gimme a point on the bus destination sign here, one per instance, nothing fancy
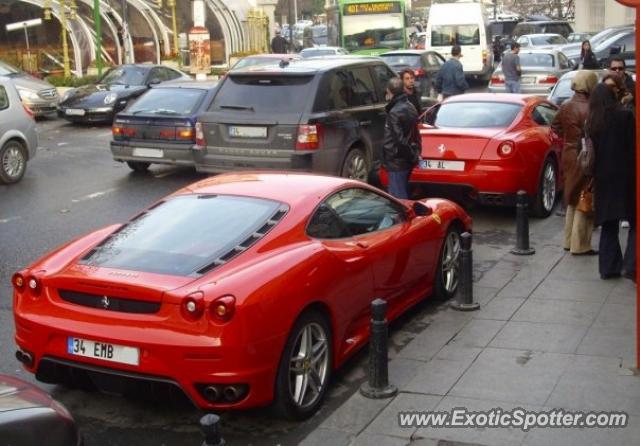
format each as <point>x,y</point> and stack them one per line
<point>371,8</point>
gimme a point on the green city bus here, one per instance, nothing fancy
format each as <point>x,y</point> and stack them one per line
<point>370,27</point>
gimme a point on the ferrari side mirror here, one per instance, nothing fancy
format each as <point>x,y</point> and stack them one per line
<point>421,209</point>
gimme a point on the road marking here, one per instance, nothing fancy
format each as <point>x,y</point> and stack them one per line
<point>93,195</point>
<point>7,220</point>
<point>63,144</point>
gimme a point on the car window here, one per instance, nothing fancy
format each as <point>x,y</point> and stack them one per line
<point>557,28</point>
<point>397,60</point>
<point>364,212</point>
<point>159,74</point>
<point>447,35</point>
<point>4,99</point>
<point>476,114</point>
<point>536,60</point>
<point>627,43</point>
<point>363,88</point>
<point>131,75</point>
<point>433,60</point>
<point>326,224</point>
<point>168,101</point>
<point>543,114</point>
<point>381,76</point>
<point>523,41</point>
<point>171,74</point>
<point>563,62</point>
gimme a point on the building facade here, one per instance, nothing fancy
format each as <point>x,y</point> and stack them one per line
<point>595,15</point>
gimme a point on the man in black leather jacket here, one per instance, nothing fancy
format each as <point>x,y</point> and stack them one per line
<point>401,149</point>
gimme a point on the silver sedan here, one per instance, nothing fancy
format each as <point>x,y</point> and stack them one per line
<point>541,69</point>
<point>18,138</point>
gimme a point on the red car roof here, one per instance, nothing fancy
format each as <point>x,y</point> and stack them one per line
<point>495,97</point>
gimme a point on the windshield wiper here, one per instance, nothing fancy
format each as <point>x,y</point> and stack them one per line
<point>238,107</point>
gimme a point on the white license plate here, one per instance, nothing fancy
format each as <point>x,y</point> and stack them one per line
<point>442,165</point>
<point>528,80</point>
<point>103,350</point>
<point>148,153</point>
<point>247,132</point>
<point>74,112</point>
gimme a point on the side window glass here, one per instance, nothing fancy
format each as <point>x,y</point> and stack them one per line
<point>340,92</point>
<point>363,88</point>
<point>363,211</point>
<point>544,114</point>
<point>564,62</point>
<point>4,99</point>
<point>381,76</point>
<point>170,74</point>
<point>325,224</point>
<point>156,73</point>
<point>627,43</point>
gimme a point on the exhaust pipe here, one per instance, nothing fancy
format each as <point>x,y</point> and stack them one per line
<point>24,357</point>
<point>211,393</point>
<point>231,393</point>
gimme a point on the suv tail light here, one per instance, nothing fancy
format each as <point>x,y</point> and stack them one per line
<point>550,80</point>
<point>308,137</point>
<point>497,80</point>
<point>506,149</point>
<point>419,72</point>
<point>29,112</point>
<point>199,133</point>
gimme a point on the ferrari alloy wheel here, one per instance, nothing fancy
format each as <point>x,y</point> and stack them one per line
<point>356,165</point>
<point>547,190</point>
<point>13,162</point>
<point>138,166</point>
<point>448,273</point>
<point>305,367</point>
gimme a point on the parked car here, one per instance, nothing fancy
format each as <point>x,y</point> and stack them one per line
<point>319,33</point>
<point>572,50</point>
<point>562,89</point>
<point>622,44</point>
<point>323,115</point>
<point>541,69</point>
<point>579,37</point>
<point>159,127</point>
<point>29,416</point>
<point>486,147</point>
<point>323,51</point>
<point>119,86</point>
<point>41,97</point>
<point>542,27</point>
<point>242,289</point>
<point>263,59</point>
<point>18,137</point>
<point>425,66</point>
<point>541,40</point>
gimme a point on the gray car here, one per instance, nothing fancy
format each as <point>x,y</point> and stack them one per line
<point>18,137</point>
<point>541,69</point>
<point>541,41</point>
<point>40,96</point>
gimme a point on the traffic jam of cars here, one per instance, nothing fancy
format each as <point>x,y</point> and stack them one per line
<point>254,313</point>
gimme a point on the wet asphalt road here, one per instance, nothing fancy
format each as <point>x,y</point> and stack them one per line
<point>73,187</point>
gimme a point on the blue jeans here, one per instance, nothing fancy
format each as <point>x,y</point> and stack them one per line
<point>399,184</point>
<point>512,86</point>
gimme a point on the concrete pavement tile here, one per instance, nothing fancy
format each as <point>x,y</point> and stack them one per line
<point>437,376</point>
<point>558,311</point>
<point>496,277</point>
<point>574,290</point>
<point>478,333</point>
<point>355,414</point>
<point>485,436</point>
<point>424,346</point>
<point>377,440</point>
<point>387,422</point>
<point>402,370</point>
<point>624,292</point>
<point>520,376</point>
<point>484,294</point>
<point>521,287</point>
<point>616,315</point>
<point>540,336</point>
<point>500,308</point>
<point>456,352</point>
<point>322,437</point>
<point>617,342</point>
<point>577,268</point>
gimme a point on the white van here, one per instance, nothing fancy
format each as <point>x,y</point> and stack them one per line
<point>462,23</point>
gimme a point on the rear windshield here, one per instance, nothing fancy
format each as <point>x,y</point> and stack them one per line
<point>563,89</point>
<point>253,61</point>
<point>448,35</point>
<point>548,40</point>
<point>265,93</point>
<point>184,234</point>
<point>410,60</point>
<point>168,101</point>
<point>536,60</point>
<point>317,53</point>
<point>476,114</point>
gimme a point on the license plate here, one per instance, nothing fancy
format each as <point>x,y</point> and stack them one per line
<point>442,165</point>
<point>247,132</point>
<point>148,153</point>
<point>74,112</point>
<point>528,80</point>
<point>103,350</point>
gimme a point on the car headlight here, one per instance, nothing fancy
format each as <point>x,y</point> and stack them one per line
<point>27,94</point>
<point>110,98</point>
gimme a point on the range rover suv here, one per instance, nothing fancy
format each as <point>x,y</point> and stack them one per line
<point>322,115</point>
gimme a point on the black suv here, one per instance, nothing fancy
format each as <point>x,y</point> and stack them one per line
<point>542,27</point>
<point>320,115</point>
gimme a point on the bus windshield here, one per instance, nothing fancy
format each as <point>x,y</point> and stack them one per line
<point>371,31</point>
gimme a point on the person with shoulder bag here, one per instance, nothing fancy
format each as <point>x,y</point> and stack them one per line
<point>569,124</point>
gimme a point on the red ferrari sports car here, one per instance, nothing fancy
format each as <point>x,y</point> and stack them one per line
<point>487,146</point>
<point>241,290</point>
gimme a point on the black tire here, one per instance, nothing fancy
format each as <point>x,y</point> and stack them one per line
<point>138,166</point>
<point>446,285</point>
<point>547,192</point>
<point>356,165</point>
<point>284,402</point>
<point>13,162</point>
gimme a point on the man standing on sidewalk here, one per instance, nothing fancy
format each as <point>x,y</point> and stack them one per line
<point>450,80</point>
<point>512,69</point>
<point>279,44</point>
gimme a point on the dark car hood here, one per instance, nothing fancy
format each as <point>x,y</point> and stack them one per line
<point>93,95</point>
<point>18,394</point>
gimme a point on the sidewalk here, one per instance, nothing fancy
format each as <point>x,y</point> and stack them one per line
<point>550,334</point>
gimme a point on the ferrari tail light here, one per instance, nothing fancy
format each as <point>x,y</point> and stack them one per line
<point>18,282</point>
<point>34,285</point>
<point>419,72</point>
<point>192,306</point>
<point>28,111</point>
<point>497,80</point>
<point>506,148</point>
<point>308,137</point>
<point>185,134</point>
<point>223,308</point>
<point>550,80</point>
<point>199,133</point>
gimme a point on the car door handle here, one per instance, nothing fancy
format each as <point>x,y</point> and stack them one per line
<point>359,244</point>
<point>365,123</point>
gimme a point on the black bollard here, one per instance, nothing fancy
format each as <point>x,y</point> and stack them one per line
<point>209,424</point>
<point>464,298</point>
<point>378,384</point>
<point>522,226</point>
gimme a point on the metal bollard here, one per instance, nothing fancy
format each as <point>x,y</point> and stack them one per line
<point>464,298</point>
<point>522,226</point>
<point>209,424</point>
<point>378,386</point>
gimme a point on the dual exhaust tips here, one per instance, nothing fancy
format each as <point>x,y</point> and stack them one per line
<point>24,357</point>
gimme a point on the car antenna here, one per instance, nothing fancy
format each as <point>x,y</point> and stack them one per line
<point>284,63</point>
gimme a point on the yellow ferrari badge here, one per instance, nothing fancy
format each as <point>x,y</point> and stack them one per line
<point>437,218</point>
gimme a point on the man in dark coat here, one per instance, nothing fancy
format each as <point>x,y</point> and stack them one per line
<point>618,66</point>
<point>409,81</point>
<point>450,79</point>
<point>401,148</point>
<point>279,44</point>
